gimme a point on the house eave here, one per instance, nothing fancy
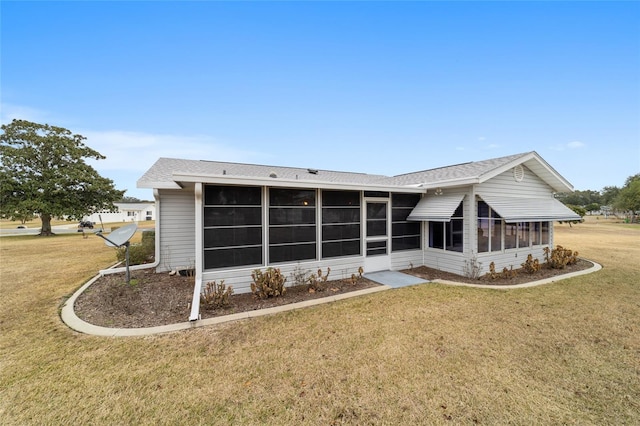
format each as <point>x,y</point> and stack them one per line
<point>289,183</point>
<point>158,185</point>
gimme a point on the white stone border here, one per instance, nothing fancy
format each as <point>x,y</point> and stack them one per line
<point>596,267</point>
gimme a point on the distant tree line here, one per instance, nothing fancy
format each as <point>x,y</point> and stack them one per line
<point>625,200</point>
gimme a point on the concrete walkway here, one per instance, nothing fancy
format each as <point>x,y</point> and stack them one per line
<point>394,279</point>
<point>388,279</point>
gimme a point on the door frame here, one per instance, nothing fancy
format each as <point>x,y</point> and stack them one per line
<point>377,262</point>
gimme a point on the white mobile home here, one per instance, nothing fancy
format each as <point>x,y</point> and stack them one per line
<point>125,212</point>
<point>227,219</point>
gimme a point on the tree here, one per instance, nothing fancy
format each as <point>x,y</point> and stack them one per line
<point>43,172</point>
<point>130,200</point>
<point>628,198</point>
<point>609,194</point>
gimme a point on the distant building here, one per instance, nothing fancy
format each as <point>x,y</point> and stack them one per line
<point>125,212</point>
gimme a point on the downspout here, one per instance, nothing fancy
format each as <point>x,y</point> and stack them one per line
<point>199,223</point>
<point>103,272</point>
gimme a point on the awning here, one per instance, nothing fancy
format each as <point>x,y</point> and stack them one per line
<point>518,209</point>
<point>436,208</point>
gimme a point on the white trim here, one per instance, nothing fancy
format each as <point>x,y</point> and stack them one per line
<point>290,183</point>
<point>199,246</point>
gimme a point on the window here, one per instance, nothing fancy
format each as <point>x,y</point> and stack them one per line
<point>405,235</point>
<point>340,223</point>
<point>492,228</point>
<point>523,234</point>
<point>292,225</point>
<point>448,235</point>
<point>489,229</point>
<point>545,233</point>
<point>232,226</point>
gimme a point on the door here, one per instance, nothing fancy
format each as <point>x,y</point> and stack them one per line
<point>377,236</point>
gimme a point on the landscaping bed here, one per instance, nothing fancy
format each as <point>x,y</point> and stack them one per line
<point>153,299</point>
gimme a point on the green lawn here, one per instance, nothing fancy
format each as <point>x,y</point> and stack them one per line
<point>565,353</point>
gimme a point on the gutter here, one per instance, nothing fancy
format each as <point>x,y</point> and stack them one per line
<point>110,271</point>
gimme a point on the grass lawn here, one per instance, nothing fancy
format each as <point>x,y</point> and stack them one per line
<point>565,353</point>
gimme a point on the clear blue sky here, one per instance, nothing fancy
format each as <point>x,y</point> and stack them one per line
<point>376,87</point>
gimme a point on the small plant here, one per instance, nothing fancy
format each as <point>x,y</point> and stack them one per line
<point>472,267</point>
<point>531,265</point>
<point>492,274</point>
<point>269,283</point>
<point>355,278</point>
<point>509,272</point>
<point>143,252</point>
<point>299,276</point>
<point>560,257</point>
<point>216,295</point>
<point>318,282</point>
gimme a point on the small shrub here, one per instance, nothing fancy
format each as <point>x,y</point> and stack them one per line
<point>506,272</point>
<point>355,278</point>
<point>492,274</point>
<point>560,257</point>
<point>531,265</point>
<point>299,276</point>
<point>143,252</point>
<point>268,284</point>
<point>509,272</point>
<point>318,282</point>
<point>149,238</point>
<point>472,267</point>
<point>216,295</point>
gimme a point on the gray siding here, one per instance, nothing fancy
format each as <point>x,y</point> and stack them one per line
<point>451,261</point>
<point>177,229</point>
<point>240,278</point>
<point>505,185</point>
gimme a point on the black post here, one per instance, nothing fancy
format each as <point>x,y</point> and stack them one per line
<point>126,248</point>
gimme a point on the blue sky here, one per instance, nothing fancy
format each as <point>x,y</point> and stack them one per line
<point>376,87</point>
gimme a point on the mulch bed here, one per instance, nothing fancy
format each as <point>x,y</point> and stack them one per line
<point>519,275</point>
<point>154,299</point>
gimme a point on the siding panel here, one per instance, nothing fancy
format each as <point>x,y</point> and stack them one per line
<point>177,229</point>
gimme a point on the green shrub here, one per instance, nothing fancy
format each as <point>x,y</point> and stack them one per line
<point>268,284</point>
<point>216,295</point>
<point>143,252</point>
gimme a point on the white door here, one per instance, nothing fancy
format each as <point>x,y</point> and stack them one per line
<point>377,236</point>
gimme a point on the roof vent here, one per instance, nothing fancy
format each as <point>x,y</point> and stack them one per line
<point>518,173</point>
<point>313,171</point>
<point>273,175</point>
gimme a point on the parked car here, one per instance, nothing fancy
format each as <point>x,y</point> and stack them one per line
<point>85,224</point>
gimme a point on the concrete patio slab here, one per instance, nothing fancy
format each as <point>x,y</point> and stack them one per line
<point>394,279</point>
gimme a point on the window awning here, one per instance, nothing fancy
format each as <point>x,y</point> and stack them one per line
<point>437,208</point>
<point>518,209</point>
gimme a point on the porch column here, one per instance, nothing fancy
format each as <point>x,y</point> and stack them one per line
<point>199,223</point>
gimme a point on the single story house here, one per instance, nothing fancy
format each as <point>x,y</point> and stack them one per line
<point>227,219</point>
<point>125,212</point>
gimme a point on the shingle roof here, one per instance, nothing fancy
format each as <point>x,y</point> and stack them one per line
<point>470,170</point>
<point>161,174</point>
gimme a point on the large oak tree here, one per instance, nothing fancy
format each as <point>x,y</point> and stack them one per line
<point>43,172</point>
